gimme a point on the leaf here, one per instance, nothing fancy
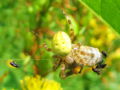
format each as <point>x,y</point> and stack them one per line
<point>108,10</point>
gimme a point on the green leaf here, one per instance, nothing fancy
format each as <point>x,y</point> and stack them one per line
<point>107,10</point>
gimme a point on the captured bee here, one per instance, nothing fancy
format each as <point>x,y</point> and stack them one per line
<point>79,57</point>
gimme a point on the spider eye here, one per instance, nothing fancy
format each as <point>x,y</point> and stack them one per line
<point>61,43</point>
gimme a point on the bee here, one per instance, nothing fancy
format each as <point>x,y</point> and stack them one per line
<point>79,57</point>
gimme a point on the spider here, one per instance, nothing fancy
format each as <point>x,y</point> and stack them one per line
<point>73,57</point>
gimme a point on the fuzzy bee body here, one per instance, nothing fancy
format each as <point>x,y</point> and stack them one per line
<point>78,57</point>
<point>83,55</point>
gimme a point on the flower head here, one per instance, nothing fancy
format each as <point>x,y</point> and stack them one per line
<point>38,83</point>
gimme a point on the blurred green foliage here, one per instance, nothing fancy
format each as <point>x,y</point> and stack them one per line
<point>27,24</point>
<point>103,9</point>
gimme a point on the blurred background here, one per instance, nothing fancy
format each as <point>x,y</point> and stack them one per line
<point>25,25</point>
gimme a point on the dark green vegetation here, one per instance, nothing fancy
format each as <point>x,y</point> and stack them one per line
<point>109,10</point>
<point>27,24</point>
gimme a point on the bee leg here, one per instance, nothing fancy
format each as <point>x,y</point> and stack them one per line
<point>78,69</point>
<point>104,54</point>
<point>101,66</point>
<point>75,70</point>
<point>81,68</point>
<point>63,73</point>
<point>96,70</point>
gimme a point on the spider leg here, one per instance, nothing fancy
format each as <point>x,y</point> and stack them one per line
<point>63,70</point>
<point>68,73</point>
<point>46,47</point>
<point>56,64</point>
<point>72,35</point>
<point>71,31</point>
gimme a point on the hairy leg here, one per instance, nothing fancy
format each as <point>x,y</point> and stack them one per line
<point>77,69</point>
<point>104,54</point>
<point>56,64</point>
<point>46,47</point>
<point>96,70</point>
<point>99,67</point>
<point>74,69</point>
<point>63,71</point>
